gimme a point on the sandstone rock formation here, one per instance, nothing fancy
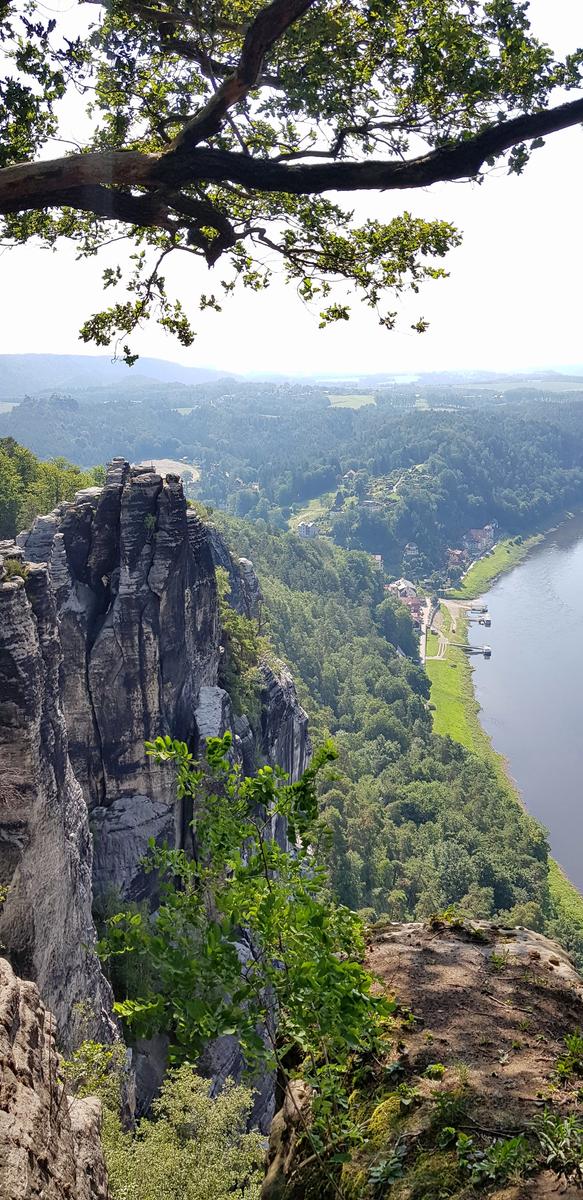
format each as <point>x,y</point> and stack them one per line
<point>112,638</point>
<point>45,844</point>
<point>49,1143</point>
<point>132,571</point>
<point>245,595</point>
<point>136,601</point>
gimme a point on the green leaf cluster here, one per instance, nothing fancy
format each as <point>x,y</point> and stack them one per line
<point>191,1147</point>
<point>29,486</point>
<point>345,82</point>
<point>247,939</point>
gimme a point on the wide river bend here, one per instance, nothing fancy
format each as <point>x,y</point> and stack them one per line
<point>531,690</point>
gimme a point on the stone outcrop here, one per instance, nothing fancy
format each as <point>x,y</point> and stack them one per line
<point>136,600</point>
<point>45,844</point>
<point>483,1015</point>
<point>49,1143</point>
<point>245,595</point>
<point>112,639</point>
<point>284,724</point>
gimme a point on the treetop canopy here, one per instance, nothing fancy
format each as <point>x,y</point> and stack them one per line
<point>219,129</point>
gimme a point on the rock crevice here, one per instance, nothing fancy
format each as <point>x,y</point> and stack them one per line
<point>111,637</point>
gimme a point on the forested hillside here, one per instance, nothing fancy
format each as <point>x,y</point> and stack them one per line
<point>416,822</point>
<point>29,486</point>
<point>383,475</point>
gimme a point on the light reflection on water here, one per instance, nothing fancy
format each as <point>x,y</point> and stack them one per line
<point>531,690</point>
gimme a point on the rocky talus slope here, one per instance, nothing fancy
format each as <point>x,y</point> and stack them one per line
<point>477,1049</point>
<point>49,1142</point>
<point>109,635</point>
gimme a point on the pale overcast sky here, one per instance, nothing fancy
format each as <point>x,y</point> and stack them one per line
<point>513,300</point>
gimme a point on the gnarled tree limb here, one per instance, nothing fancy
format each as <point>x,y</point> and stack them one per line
<point>42,185</point>
<point>268,27</point>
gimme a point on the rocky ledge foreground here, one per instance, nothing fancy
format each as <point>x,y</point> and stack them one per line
<point>477,1047</point>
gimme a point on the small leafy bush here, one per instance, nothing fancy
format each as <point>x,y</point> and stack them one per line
<point>14,568</point>
<point>194,1148</point>
<point>388,1171</point>
<point>434,1071</point>
<point>96,1070</point>
<point>450,1107</point>
<point>499,962</point>
<point>501,1161</point>
<point>571,1063</point>
<point>561,1144</point>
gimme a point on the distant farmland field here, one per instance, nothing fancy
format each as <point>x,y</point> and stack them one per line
<point>358,400</point>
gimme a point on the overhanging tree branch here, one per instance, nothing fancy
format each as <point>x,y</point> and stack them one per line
<point>252,153</point>
<point>457,160</point>
<point>40,185</point>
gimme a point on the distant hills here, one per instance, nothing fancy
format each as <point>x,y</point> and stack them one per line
<point>45,374</point>
<point>33,374</point>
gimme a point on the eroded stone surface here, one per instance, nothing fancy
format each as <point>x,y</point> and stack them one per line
<point>112,640</point>
<point>49,1143</point>
<point>45,845</point>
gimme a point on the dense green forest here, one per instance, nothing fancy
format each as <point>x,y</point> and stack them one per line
<point>416,823</point>
<point>29,486</point>
<point>390,474</point>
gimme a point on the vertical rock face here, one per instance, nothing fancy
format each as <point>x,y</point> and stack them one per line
<point>112,639</point>
<point>246,594</point>
<point>137,611</point>
<point>138,620</point>
<point>133,574</point>
<point>45,844</point>
<point>284,724</point>
<point>49,1144</point>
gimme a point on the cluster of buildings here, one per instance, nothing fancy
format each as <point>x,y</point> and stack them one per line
<point>478,541</point>
<point>307,529</point>
<point>474,543</point>
<point>406,592</point>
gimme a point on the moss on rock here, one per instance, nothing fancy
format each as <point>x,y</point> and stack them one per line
<point>434,1175</point>
<point>384,1118</point>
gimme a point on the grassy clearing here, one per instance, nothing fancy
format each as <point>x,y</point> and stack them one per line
<point>453,697</point>
<point>318,507</point>
<point>483,572</point>
<point>457,714</point>
<point>358,400</point>
<point>432,643</point>
<point>171,466</point>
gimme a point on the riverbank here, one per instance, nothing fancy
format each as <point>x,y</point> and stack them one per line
<point>456,713</point>
<point>506,554</point>
<point>482,573</point>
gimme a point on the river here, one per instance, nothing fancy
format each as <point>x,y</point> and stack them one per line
<point>531,690</point>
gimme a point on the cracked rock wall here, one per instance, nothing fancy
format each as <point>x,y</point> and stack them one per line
<point>112,638</point>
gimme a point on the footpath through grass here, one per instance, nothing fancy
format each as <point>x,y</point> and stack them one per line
<point>482,573</point>
<point>455,709</point>
<point>457,714</point>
